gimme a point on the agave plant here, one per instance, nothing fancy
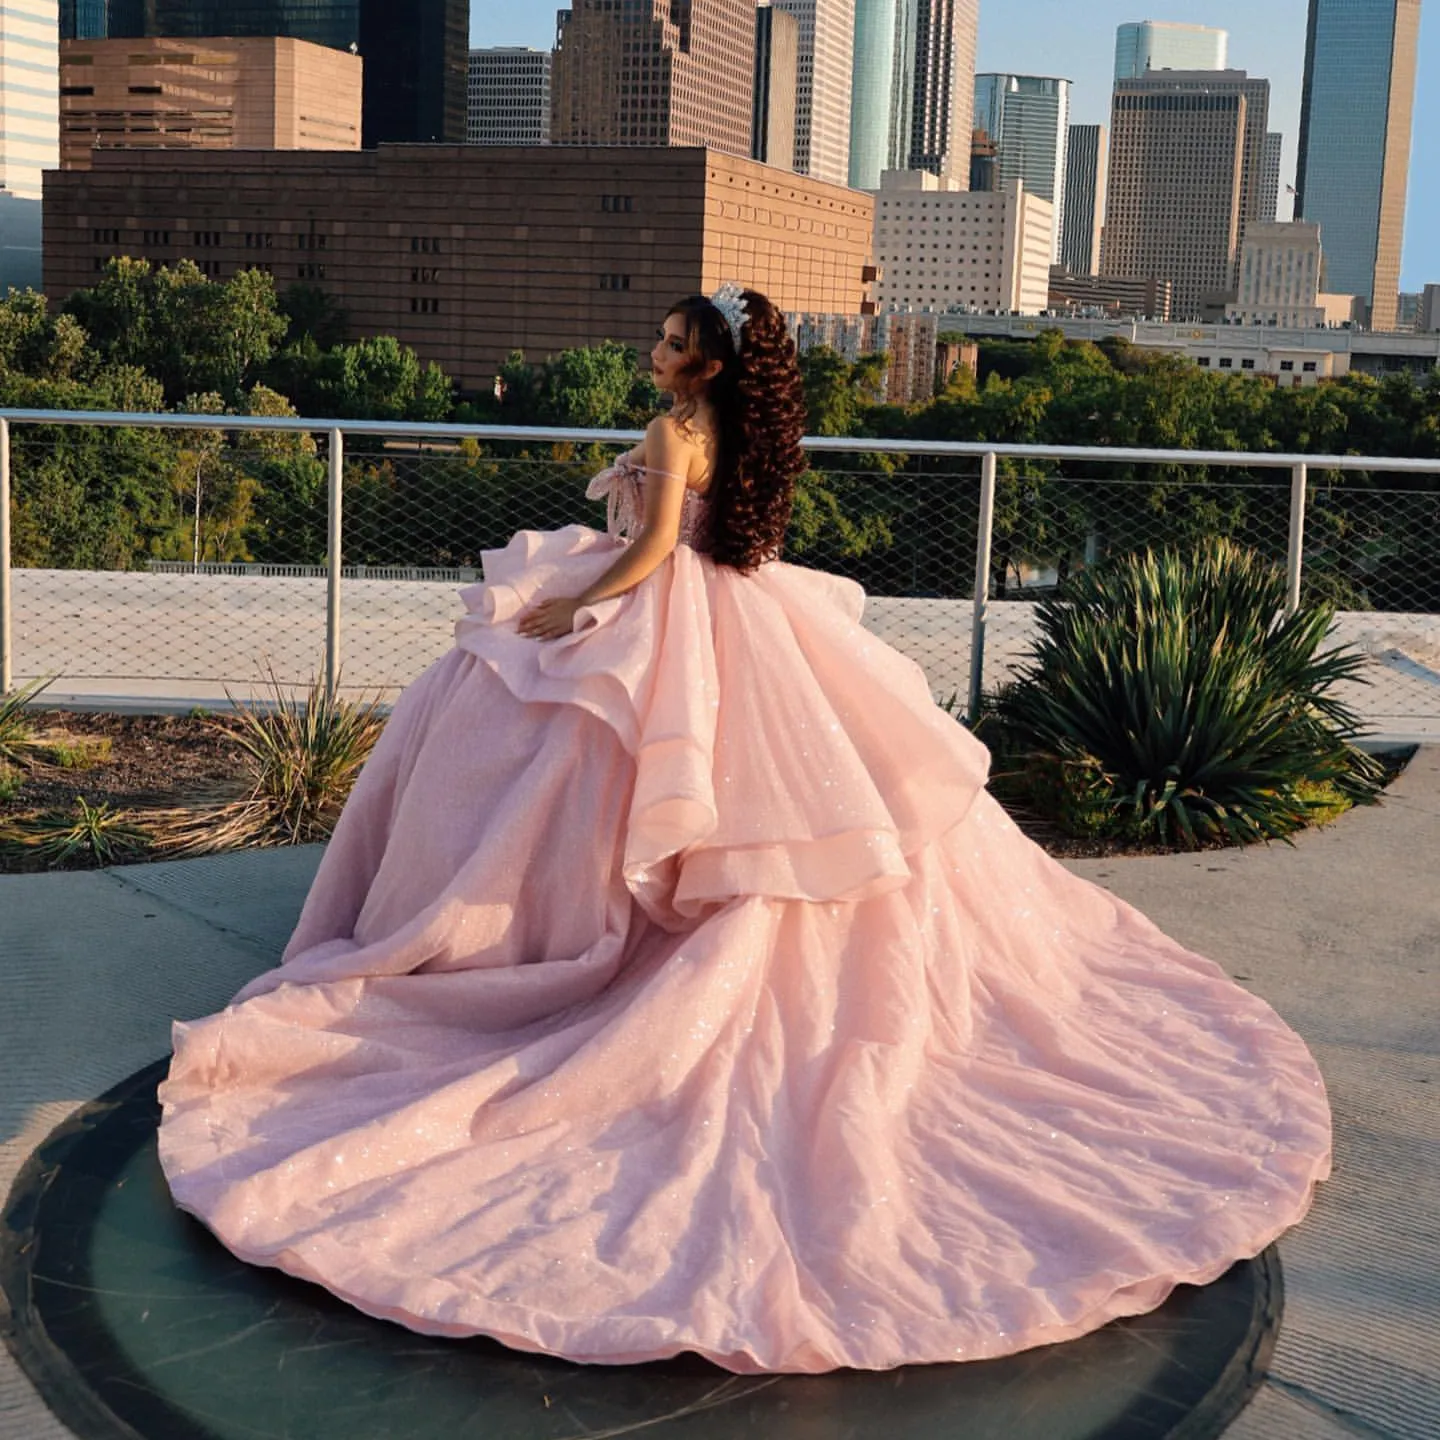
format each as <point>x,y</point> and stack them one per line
<point>17,737</point>
<point>303,758</point>
<point>1169,695</point>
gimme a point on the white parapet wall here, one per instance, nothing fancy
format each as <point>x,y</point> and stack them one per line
<point>138,637</point>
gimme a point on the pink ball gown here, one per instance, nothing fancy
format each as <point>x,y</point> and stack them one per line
<point>677,986</point>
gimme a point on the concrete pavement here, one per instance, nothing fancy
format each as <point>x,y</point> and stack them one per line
<point>1341,933</point>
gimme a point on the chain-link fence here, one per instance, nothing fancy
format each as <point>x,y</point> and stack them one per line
<point>158,559</point>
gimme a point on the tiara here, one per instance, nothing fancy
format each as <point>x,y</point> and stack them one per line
<point>730,302</point>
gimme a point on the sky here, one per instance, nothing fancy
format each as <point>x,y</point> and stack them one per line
<point>1076,39</point>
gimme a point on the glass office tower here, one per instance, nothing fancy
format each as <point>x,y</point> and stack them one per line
<point>414,50</point>
<point>1355,113</point>
<point>882,90</point>
<point>1144,45</point>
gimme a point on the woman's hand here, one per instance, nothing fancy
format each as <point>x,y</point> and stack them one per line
<point>550,619</point>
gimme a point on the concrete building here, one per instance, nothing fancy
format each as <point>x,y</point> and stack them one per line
<point>984,157</point>
<point>940,248</point>
<point>1407,309</point>
<point>414,50</point>
<point>882,91</point>
<point>1028,118</point>
<point>824,73</point>
<point>908,342</point>
<point>1428,319</point>
<point>1186,177</point>
<point>508,96</point>
<point>29,134</point>
<point>777,60</point>
<point>1269,207</point>
<point>1354,149</point>
<point>467,252</point>
<point>651,73</point>
<point>1280,270</point>
<point>1350,349</point>
<point>1119,295</point>
<point>1145,45</point>
<point>221,94</point>
<point>1087,172</point>
<point>942,113</point>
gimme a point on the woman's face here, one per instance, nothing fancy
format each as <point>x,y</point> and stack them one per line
<point>667,358</point>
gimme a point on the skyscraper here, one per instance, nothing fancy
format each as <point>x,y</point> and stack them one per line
<point>1166,45</point>
<point>822,86</point>
<point>1028,118</point>
<point>1355,112</point>
<point>883,89</point>
<point>1256,91</point>
<point>508,96</point>
<point>1270,177</point>
<point>655,73</point>
<point>1087,167</point>
<point>30,135</point>
<point>1172,211</point>
<point>942,119</point>
<point>777,57</point>
<point>414,50</point>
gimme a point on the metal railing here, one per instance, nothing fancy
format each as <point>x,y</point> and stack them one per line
<point>398,449</point>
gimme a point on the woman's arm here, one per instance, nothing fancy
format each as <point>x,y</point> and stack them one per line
<point>663,450</point>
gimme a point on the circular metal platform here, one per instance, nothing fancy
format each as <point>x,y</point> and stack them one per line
<point>133,1321</point>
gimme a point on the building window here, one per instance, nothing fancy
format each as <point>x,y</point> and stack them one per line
<point>1203,360</point>
<point>424,305</point>
<point>424,275</point>
<point>311,241</point>
<point>617,204</point>
<point>259,240</point>
<point>1226,363</point>
<point>105,237</point>
<point>425,244</point>
<point>1287,364</point>
<point>1247,364</point>
<point>157,237</point>
<point>207,239</point>
<point>210,268</point>
<point>614,282</point>
<point>1308,365</point>
<point>310,272</point>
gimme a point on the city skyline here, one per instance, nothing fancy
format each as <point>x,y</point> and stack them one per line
<point>1055,37</point>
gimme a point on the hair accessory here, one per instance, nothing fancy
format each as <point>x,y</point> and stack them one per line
<point>729,301</point>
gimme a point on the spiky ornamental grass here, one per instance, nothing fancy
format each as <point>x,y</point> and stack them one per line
<point>1169,697</point>
<point>100,834</point>
<point>17,735</point>
<point>303,758</point>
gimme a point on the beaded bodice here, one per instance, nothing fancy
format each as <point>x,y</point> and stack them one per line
<point>622,486</point>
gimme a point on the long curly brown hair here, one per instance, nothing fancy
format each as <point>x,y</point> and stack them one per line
<point>759,402</point>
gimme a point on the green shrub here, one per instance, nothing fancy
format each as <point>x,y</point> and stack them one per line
<point>1170,698</point>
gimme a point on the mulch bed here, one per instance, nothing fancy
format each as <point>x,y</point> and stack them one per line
<point>162,761</point>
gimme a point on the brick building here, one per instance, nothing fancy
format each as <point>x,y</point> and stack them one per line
<point>468,252</point>
<point>260,93</point>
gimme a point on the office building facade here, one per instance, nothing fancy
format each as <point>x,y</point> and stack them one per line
<point>1087,170</point>
<point>508,96</point>
<point>1028,118</point>
<point>216,94</point>
<point>1147,45</point>
<point>1172,211</point>
<point>942,111</point>
<point>1270,178</point>
<point>777,58</point>
<point>882,89</point>
<point>29,134</point>
<point>823,77</point>
<point>414,50</point>
<point>1354,146</point>
<point>466,252</point>
<point>941,248</point>
<point>652,73</point>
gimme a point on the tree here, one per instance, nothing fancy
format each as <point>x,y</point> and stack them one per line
<point>380,379</point>
<point>589,387</point>
<point>41,345</point>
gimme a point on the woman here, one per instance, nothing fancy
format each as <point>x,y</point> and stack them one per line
<point>671,982</point>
